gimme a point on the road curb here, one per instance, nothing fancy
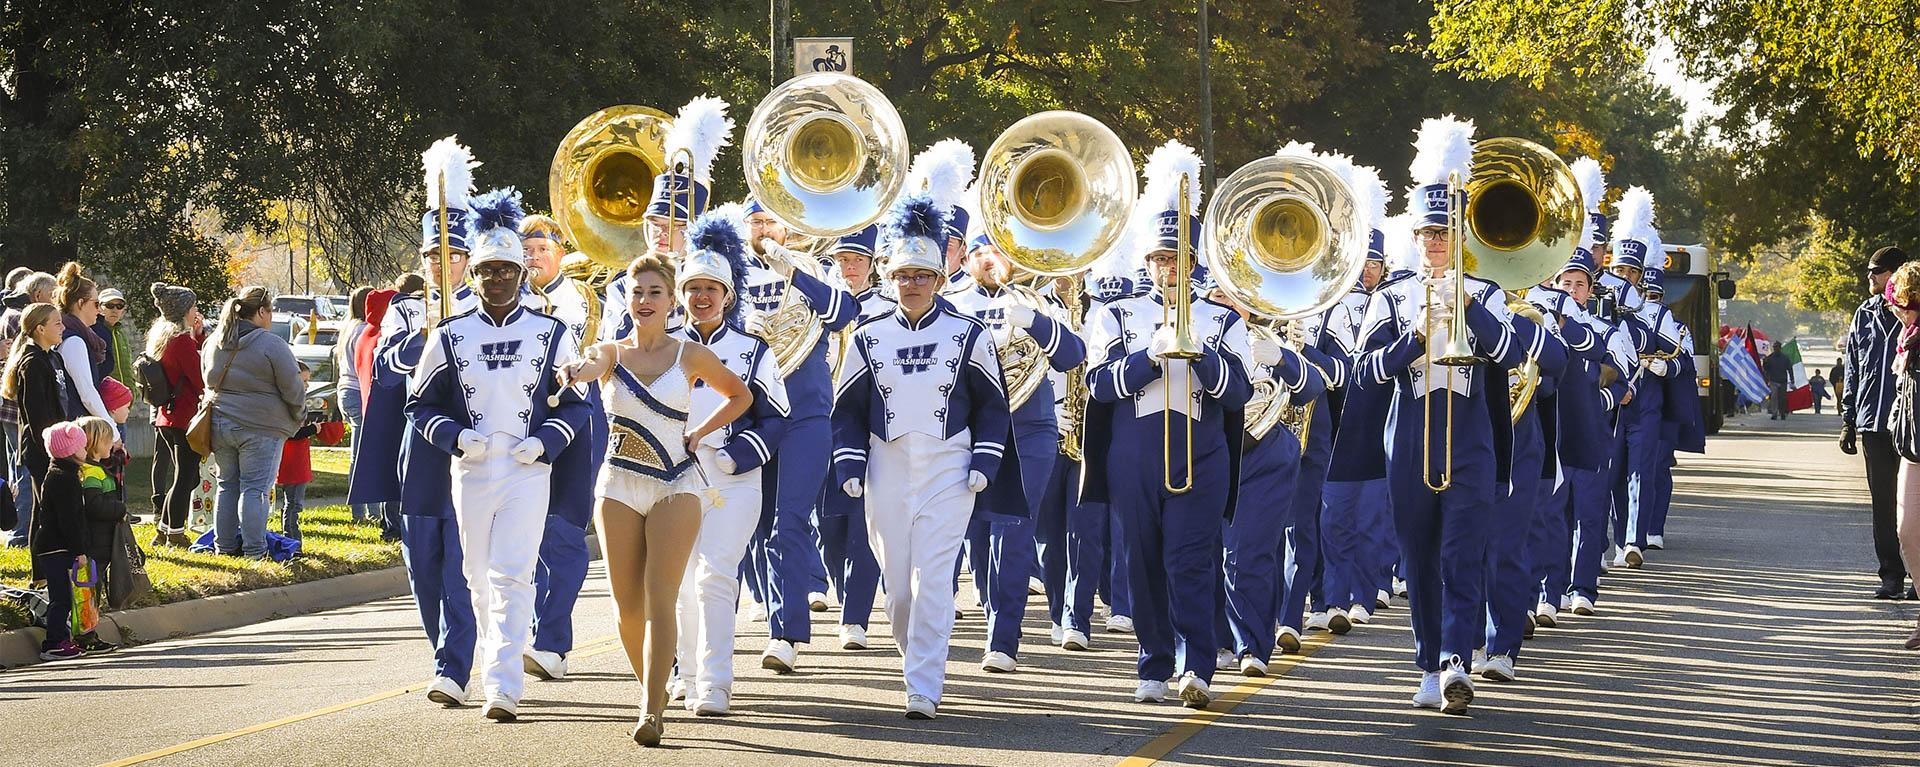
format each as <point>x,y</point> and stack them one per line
<point>21,647</point>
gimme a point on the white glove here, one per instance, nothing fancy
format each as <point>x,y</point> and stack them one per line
<point>852,488</point>
<point>976,481</point>
<point>778,258</point>
<point>757,323</point>
<point>1019,314</point>
<point>725,463</point>
<point>1657,366</point>
<point>1265,351</point>
<point>472,444</point>
<point>1163,342</point>
<point>1437,316</point>
<point>529,450</point>
<point>1297,335</point>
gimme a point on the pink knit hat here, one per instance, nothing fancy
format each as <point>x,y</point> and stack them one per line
<point>114,394</point>
<point>65,440</point>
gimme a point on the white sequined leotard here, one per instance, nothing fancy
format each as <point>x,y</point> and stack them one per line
<point>647,458</point>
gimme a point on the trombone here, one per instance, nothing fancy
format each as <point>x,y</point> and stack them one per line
<point>1521,219</point>
<point>1180,306</point>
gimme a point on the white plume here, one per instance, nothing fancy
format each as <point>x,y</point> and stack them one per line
<point>1592,181</point>
<point>1370,194</point>
<point>736,214</point>
<point>945,170</point>
<point>1121,260</point>
<point>447,155</point>
<point>701,128</point>
<point>1635,221</point>
<point>1163,170</point>
<point>1444,146</point>
<point>1298,149</point>
<point>1397,233</point>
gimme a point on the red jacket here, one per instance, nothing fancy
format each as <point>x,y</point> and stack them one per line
<point>181,360</point>
<point>296,459</point>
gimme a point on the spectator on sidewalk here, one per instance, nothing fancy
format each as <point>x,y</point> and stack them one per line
<point>1779,369</point>
<point>23,291</point>
<point>113,309</point>
<point>1903,423</point>
<point>33,382</point>
<point>1865,404</point>
<point>174,340</point>
<point>104,507</point>
<point>82,354</point>
<point>296,464</point>
<point>258,402</point>
<point>59,533</point>
<point>364,348</point>
<point>1818,386</point>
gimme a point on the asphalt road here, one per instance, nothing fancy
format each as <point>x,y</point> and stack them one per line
<point>1749,641</point>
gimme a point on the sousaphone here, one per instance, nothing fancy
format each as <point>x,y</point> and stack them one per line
<point>599,185</point>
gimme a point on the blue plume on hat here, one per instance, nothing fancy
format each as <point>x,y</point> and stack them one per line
<point>718,243</point>
<point>498,208</point>
<point>945,171</point>
<point>916,234</point>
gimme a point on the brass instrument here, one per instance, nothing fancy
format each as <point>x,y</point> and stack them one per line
<point>827,155</point>
<point>1055,192</point>
<point>1283,241</point>
<point>446,269</point>
<point>1522,218</point>
<point>1072,424</point>
<point>1179,305</point>
<point>1526,379</point>
<point>600,183</point>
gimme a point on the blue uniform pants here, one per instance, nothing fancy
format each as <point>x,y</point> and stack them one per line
<point>1633,485</point>
<point>1553,548</point>
<point>1662,489</point>
<point>780,550</point>
<point>1173,548</point>
<point>1588,498</point>
<point>1115,587</point>
<point>1510,586</point>
<point>1072,542</point>
<point>1268,474</point>
<point>851,567</point>
<point>1443,535</point>
<point>1302,543</point>
<point>1001,552</point>
<point>1347,546</point>
<point>431,548</point>
<point>557,579</point>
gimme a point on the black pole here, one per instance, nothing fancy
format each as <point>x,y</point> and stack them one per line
<point>773,42</point>
<point>1206,102</point>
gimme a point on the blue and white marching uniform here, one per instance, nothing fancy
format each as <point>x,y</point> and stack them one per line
<point>479,395</point>
<point>851,567</point>
<point>730,511</point>
<point>1356,527</point>
<point>920,407</point>
<point>1001,551</point>
<point>562,569</point>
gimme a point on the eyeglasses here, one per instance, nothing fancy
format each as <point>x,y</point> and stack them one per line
<point>497,272</point>
<point>915,279</point>
<point>115,305</point>
<point>1432,234</point>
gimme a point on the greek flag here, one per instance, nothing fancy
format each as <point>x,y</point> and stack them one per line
<point>1740,368</point>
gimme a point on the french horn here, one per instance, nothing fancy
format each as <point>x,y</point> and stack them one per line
<point>826,154</point>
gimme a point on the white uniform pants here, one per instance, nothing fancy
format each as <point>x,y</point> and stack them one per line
<point>918,506</point>
<point>710,592</point>
<point>501,505</point>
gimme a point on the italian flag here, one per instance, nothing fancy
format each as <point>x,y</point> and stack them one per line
<point>1800,397</point>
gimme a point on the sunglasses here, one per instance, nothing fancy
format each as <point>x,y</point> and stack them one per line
<point>116,305</point>
<point>1878,270</point>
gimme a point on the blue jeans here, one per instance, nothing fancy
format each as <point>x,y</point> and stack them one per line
<point>20,484</point>
<point>247,462</point>
<point>293,500</point>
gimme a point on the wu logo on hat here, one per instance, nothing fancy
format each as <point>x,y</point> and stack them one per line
<point>500,354</point>
<point>914,359</point>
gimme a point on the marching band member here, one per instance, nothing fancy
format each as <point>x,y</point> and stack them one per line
<point>711,284</point>
<point>562,568</point>
<point>851,568</point>
<point>1174,538</point>
<point>1114,276</point>
<point>1001,550</point>
<point>395,464</point>
<point>1442,533</point>
<point>1351,519</point>
<point>1636,242</point>
<point>647,514</point>
<point>1071,537</point>
<point>1683,425</point>
<point>701,128</point>
<point>920,425</point>
<point>480,395</point>
<point>784,554</point>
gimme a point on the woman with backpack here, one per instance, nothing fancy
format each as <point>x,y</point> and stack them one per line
<point>174,344</point>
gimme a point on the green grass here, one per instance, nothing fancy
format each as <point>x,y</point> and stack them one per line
<point>332,545</point>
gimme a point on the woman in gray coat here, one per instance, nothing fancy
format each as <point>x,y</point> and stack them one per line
<point>258,402</point>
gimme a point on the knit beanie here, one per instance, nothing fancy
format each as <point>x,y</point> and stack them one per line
<point>114,395</point>
<point>173,301</point>
<point>65,440</point>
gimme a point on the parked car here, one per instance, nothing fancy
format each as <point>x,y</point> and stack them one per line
<point>308,305</point>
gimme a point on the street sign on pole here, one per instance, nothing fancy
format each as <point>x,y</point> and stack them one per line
<point>822,54</point>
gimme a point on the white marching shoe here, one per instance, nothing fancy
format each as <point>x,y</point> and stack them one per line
<point>1036,587</point>
<point>1058,635</point>
<point>1119,624</point>
<point>447,692</point>
<point>1498,668</point>
<point>779,657</point>
<point>679,688</point>
<point>545,665</point>
<point>1074,641</point>
<point>1656,542</point>
<point>853,637</point>
<point>1252,667</point>
<point>1479,660</point>
<point>920,707</point>
<point>1150,691</point>
<point>757,613</point>
<point>1337,621</point>
<point>1194,691</point>
<point>715,702</point>
<point>1546,614</point>
<point>1315,621</point>
<point>1632,557</point>
<point>1400,587</point>
<point>1429,694</point>
<point>1381,600</point>
<point>1566,601</point>
<point>1224,659</point>
<point>1287,638</point>
<point>998,662</point>
<point>1456,686</point>
<point>1581,605</point>
<point>1359,615</point>
<point>817,601</point>
<point>501,709</point>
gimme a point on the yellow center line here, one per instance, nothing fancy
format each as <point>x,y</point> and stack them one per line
<point>1159,747</point>
<point>374,698</point>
